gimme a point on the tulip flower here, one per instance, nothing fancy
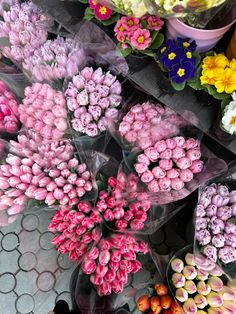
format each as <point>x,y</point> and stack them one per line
<point>203,288</point>
<point>143,303</point>
<point>190,287</point>
<point>227,293</point>
<point>177,265</point>
<point>200,301</point>
<point>230,305</point>
<point>161,289</point>
<point>214,299</point>
<point>190,272</point>
<point>181,295</point>
<point>156,305</point>
<point>176,308</point>
<point>166,301</point>
<point>214,310</point>
<point>215,283</point>
<point>178,280</point>
<point>189,259</point>
<point>190,307</point>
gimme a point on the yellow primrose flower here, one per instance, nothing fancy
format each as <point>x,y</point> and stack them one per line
<point>213,62</point>
<point>209,76</point>
<point>232,64</point>
<point>226,82</point>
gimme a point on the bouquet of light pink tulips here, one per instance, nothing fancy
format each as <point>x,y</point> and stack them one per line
<point>24,27</point>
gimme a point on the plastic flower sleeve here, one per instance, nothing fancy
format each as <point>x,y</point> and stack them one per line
<point>100,49</point>
<point>125,206</point>
<point>215,233</point>
<point>168,8</point>
<point>17,82</point>
<point>174,168</point>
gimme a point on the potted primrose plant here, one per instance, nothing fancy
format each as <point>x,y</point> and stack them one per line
<point>138,38</point>
<point>178,61</point>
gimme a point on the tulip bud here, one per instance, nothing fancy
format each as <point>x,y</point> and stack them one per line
<point>40,194</point>
<point>178,280</point>
<point>190,287</point>
<point>177,265</point>
<point>214,299</point>
<point>15,209</point>
<point>166,301</point>
<point>190,307</point>
<point>202,275</point>
<point>227,294</point>
<point>190,272</point>
<point>117,286</point>
<point>203,288</point>
<point>155,303</point>
<point>88,266</point>
<point>190,260</point>
<point>181,295</point>
<point>200,301</point>
<point>104,257</point>
<point>93,253</point>
<point>215,283</point>
<point>101,270</point>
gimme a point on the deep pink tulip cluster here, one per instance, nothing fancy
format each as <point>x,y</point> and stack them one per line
<point>8,110</point>
<point>122,205</point>
<point>169,164</point>
<point>48,155</point>
<point>110,262</point>
<point>44,111</point>
<point>25,25</point>
<point>56,59</point>
<point>215,232</point>
<point>93,97</point>
<point>147,123</point>
<point>76,230</point>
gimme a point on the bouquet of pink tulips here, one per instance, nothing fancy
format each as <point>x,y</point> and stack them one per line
<point>93,98</point>
<point>25,27</point>
<point>110,262</point>
<point>9,115</point>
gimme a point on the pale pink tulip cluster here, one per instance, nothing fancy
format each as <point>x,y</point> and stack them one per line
<point>55,59</point>
<point>123,206</point>
<point>215,232</point>
<point>93,97</point>
<point>44,111</point>
<point>110,262</point>
<point>147,123</point>
<point>76,230</point>
<point>25,26</point>
<point>46,154</point>
<point>169,164</point>
<point>200,290</point>
<point>9,122</point>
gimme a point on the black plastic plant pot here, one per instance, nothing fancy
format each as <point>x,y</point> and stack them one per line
<point>75,8</point>
<point>204,98</point>
<point>137,62</point>
<point>164,82</point>
<point>220,133</point>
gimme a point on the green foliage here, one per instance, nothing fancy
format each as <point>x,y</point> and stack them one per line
<point>157,40</point>
<point>178,87</point>
<point>84,1</point>
<point>89,14</point>
<point>125,52</point>
<point>112,20</point>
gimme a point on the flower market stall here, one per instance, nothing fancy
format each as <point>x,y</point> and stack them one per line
<point>117,156</point>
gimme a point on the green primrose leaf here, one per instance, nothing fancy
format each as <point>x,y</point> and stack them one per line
<point>157,42</point>
<point>88,14</point>
<point>212,91</point>
<point>112,20</point>
<point>224,103</point>
<point>84,1</point>
<point>125,52</point>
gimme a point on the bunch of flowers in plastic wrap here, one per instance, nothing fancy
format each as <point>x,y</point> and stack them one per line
<point>55,59</point>
<point>169,164</point>
<point>122,205</point>
<point>198,290</point>
<point>77,230</point>
<point>44,111</point>
<point>9,122</point>
<point>145,124</point>
<point>93,98</point>
<point>215,227</point>
<point>140,35</point>
<point>25,26</point>
<point>179,59</point>
<point>178,8</point>
<point>110,262</point>
<point>228,121</point>
<point>218,75</point>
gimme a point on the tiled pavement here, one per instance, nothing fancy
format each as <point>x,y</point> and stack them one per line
<point>33,276</point>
